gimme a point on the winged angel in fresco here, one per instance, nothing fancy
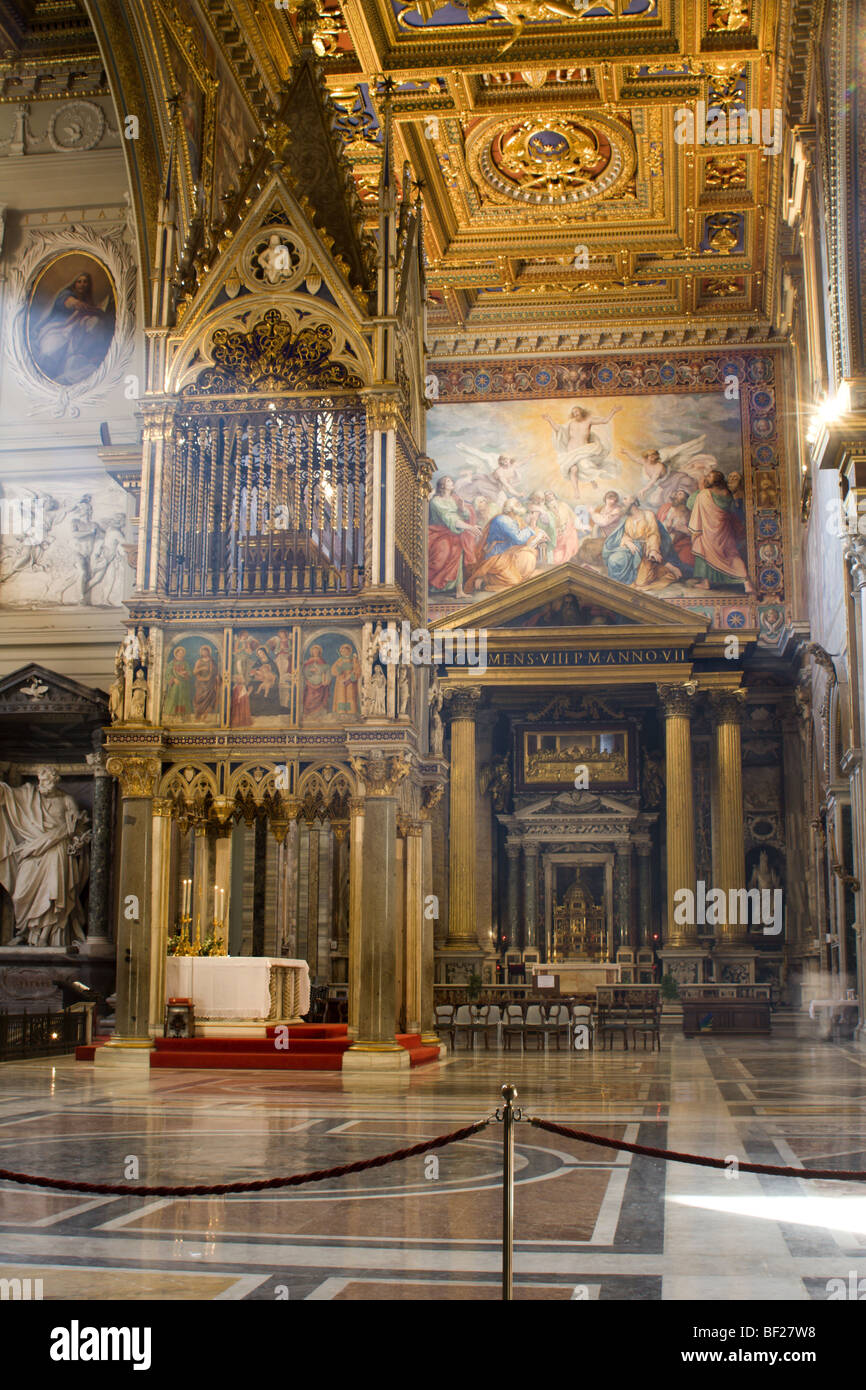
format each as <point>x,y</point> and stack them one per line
<point>518,13</point>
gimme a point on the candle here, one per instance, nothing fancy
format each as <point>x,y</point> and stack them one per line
<point>216,897</point>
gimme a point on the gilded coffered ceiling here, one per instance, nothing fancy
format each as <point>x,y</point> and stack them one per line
<point>584,164</point>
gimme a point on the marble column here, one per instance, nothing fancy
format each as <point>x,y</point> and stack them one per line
<point>644,889</point>
<point>622,894</point>
<point>375,1047</point>
<point>530,896</point>
<point>729,860</point>
<point>222,874</point>
<point>202,901</point>
<point>677,702</point>
<point>431,796</point>
<point>356,874</point>
<point>414,913</point>
<point>160,904</point>
<point>313,902</point>
<point>132,1040</point>
<point>512,926</point>
<point>98,941</point>
<point>289,880</point>
<point>462,907</point>
<point>339,895</point>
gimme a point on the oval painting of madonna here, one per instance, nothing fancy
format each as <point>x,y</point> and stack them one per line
<point>71,318</point>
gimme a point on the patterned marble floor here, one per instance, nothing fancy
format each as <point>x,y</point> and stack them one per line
<point>590,1223</point>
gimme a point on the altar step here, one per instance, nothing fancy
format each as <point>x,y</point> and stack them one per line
<point>312,1047</point>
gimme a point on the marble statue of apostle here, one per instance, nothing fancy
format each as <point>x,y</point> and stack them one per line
<point>44,860</point>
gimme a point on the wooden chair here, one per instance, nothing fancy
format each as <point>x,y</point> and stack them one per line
<point>480,1024</point>
<point>649,1023</point>
<point>611,1021</point>
<point>557,1022</point>
<point>444,1020</point>
<point>534,1025</point>
<point>513,1026</point>
<point>581,1015</point>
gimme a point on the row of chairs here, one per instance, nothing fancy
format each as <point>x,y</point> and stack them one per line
<point>540,1023</point>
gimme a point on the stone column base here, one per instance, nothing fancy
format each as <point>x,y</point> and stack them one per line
<point>687,964</point>
<point>97,948</point>
<point>124,1052</point>
<point>376,1057</point>
<point>731,962</point>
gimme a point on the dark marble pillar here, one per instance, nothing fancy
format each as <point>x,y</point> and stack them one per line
<point>513,906</point>
<point>622,896</point>
<point>98,942</point>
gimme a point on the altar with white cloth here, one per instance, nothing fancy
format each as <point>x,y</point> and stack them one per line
<point>255,989</point>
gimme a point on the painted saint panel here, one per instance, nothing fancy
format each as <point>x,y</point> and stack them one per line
<point>330,680</point>
<point>70,318</point>
<point>647,490</point>
<point>192,680</point>
<point>262,676</point>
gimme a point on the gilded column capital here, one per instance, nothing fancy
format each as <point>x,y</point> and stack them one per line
<point>356,805</point>
<point>382,413</point>
<point>163,806</point>
<point>464,701</point>
<point>137,776</point>
<point>727,706</point>
<point>381,775</point>
<point>222,811</point>
<point>426,468</point>
<point>678,700</point>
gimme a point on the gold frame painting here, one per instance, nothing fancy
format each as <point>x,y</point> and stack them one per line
<point>551,757</point>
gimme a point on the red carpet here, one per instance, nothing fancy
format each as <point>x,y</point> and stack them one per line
<point>312,1047</point>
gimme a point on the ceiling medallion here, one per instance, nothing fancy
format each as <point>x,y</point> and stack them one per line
<point>548,162</point>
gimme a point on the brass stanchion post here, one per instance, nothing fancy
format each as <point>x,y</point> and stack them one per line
<point>508,1116</point>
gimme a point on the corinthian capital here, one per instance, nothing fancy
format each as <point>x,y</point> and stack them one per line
<point>727,706</point>
<point>464,701</point>
<point>678,700</point>
<point>137,776</point>
<point>381,775</point>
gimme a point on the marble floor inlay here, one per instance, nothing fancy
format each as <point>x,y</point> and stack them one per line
<point>590,1223</point>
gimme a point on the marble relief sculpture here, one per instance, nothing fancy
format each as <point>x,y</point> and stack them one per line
<point>44,860</point>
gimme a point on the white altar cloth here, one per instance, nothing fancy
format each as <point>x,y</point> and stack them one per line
<point>240,987</point>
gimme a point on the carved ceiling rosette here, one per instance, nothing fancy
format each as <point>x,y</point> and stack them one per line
<point>552,161</point>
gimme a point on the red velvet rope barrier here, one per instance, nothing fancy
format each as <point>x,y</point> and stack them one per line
<point>774,1170</point>
<point>114,1189</point>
